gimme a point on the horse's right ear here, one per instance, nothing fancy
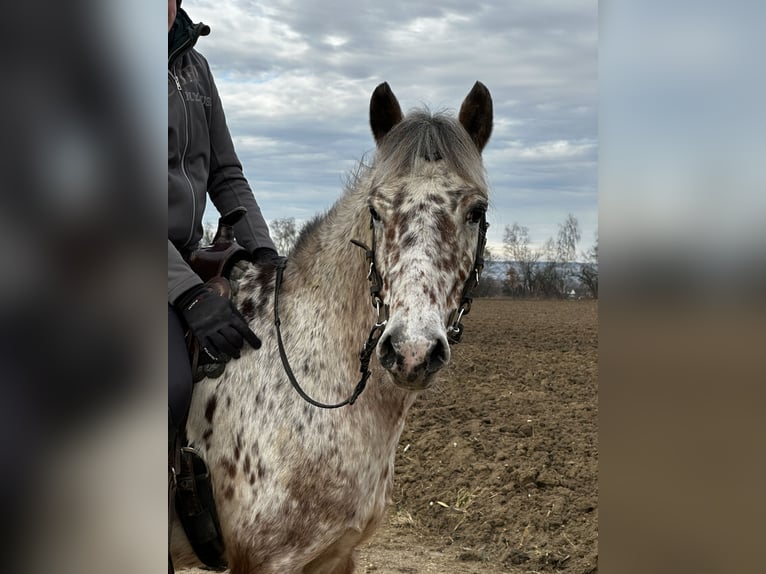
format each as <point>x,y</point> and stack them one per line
<point>476,115</point>
<point>385,111</point>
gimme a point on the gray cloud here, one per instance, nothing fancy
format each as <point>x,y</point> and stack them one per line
<point>295,77</point>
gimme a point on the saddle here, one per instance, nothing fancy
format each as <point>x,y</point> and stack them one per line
<point>193,496</point>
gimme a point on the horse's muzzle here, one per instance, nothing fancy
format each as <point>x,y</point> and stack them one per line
<point>413,360</point>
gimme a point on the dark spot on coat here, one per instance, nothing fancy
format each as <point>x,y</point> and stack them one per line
<point>229,468</point>
<point>246,465</point>
<point>248,309</point>
<point>265,276</point>
<point>210,408</point>
<point>228,494</point>
<point>390,233</point>
<point>248,284</point>
<point>435,199</point>
<point>409,239</point>
<point>446,227</point>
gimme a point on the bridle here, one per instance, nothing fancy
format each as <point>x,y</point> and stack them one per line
<point>454,329</point>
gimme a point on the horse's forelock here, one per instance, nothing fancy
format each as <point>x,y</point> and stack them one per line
<point>426,137</point>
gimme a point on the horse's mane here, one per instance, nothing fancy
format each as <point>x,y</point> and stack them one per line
<point>307,231</point>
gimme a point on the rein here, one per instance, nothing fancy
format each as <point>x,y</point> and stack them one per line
<point>372,339</point>
<point>454,330</point>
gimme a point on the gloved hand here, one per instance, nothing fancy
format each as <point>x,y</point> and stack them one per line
<point>215,323</point>
<point>267,256</point>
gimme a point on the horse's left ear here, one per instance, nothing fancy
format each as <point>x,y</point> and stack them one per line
<point>476,114</point>
<point>385,111</point>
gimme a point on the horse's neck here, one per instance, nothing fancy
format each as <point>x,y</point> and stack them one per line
<point>329,275</point>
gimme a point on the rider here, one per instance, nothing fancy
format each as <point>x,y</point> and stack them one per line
<point>201,161</point>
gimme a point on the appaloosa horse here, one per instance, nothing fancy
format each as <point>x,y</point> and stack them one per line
<point>298,487</point>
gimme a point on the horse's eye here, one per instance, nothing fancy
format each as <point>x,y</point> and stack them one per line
<point>475,215</point>
<point>374,214</point>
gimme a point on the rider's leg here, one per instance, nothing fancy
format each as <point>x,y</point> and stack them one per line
<point>179,371</point>
<point>179,397</point>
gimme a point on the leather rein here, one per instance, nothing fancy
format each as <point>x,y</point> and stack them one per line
<point>454,329</point>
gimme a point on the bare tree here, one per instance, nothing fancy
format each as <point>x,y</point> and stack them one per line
<point>566,253</point>
<point>548,279</point>
<point>588,273</point>
<point>546,271</point>
<point>513,284</point>
<point>284,233</point>
<point>569,235</point>
<point>517,247</point>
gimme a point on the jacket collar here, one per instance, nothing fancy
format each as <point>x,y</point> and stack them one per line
<point>183,35</point>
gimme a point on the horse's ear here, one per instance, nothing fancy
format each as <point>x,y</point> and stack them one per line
<point>476,114</point>
<point>385,112</point>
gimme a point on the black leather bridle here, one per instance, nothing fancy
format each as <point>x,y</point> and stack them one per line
<point>455,327</point>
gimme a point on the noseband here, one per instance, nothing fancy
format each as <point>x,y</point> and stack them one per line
<point>454,329</point>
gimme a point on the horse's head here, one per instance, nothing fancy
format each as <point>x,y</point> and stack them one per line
<point>427,198</point>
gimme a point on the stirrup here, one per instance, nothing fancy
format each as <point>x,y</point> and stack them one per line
<point>195,508</point>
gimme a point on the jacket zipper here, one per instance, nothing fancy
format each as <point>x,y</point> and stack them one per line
<point>183,155</point>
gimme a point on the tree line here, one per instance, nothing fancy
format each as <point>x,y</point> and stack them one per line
<point>553,270</point>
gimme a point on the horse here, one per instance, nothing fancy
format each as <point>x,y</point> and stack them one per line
<point>297,487</point>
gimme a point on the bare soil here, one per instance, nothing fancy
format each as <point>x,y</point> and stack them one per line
<point>497,467</point>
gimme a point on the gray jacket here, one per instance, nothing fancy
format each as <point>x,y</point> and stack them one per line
<point>201,159</point>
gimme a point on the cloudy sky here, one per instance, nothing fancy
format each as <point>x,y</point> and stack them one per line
<point>296,76</point>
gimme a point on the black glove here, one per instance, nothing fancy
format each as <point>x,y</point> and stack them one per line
<point>267,256</point>
<point>216,323</point>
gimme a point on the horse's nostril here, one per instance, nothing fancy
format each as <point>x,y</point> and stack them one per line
<point>438,357</point>
<point>386,352</point>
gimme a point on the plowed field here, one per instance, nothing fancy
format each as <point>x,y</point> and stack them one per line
<point>497,467</point>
